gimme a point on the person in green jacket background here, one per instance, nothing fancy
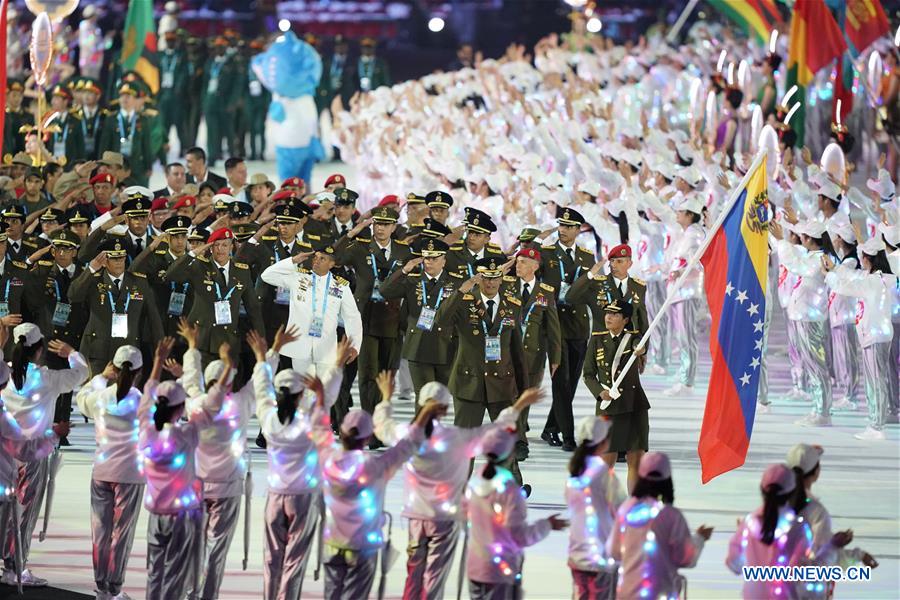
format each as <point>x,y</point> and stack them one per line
<point>220,91</point>
<point>256,105</point>
<point>126,131</point>
<point>173,79</point>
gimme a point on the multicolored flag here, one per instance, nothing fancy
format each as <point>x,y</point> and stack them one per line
<point>3,6</point>
<point>756,17</point>
<point>815,40</point>
<point>139,43</point>
<point>735,264</point>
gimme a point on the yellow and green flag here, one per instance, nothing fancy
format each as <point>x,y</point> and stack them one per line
<point>139,43</point>
<point>756,17</point>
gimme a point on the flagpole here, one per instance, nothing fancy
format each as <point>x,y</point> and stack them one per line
<point>673,33</point>
<point>735,194</point>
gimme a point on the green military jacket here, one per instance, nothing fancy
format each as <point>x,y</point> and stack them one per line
<point>462,262</point>
<point>13,139</point>
<point>601,290</point>
<point>599,375</point>
<point>173,75</point>
<point>541,334</point>
<point>277,304</point>
<point>142,156</point>
<point>420,344</point>
<point>70,138</point>
<point>228,86</point>
<point>154,264</point>
<point>209,287</point>
<point>90,131</point>
<point>14,298</point>
<point>474,378</point>
<point>560,271</point>
<point>134,299</point>
<point>45,289</point>
<point>381,317</point>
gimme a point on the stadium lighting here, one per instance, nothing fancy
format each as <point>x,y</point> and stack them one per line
<point>594,25</point>
<point>284,25</point>
<point>435,24</point>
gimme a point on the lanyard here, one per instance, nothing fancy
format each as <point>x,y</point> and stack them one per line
<point>93,119</point>
<point>169,62</point>
<point>216,69</point>
<point>562,273</point>
<point>185,288</point>
<point>6,293</point>
<point>366,68</point>
<point>325,299</point>
<point>337,66</point>
<point>219,292</point>
<point>122,135</point>
<point>527,317</point>
<point>65,132</point>
<point>484,327</point>
<point>375,269</point>
<point>425,295</point>
<point>112,303</point>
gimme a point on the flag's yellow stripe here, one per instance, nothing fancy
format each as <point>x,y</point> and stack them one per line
<point>754,232</point>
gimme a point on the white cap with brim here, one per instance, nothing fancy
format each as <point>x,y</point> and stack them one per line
<point>437,391</point>
<point>214,369</point>
<point>883,186</point>
<point>172,391</point>
<point>29,331</point>
<point>690,203</point>
<point>130,355</point>
<point>591,429</point>
<point>290,379</point>
<point>498,442</point>
<point>811,228</point>
<point>841,229</point>
<point>872,246</point>
<point>804,456</point>
<point>781,476</point>
<point>655,466</point>
<point>359,420</point>
<point>891,233</point>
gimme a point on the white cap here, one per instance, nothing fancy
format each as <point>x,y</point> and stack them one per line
<point>437,391</point>
<point>499,442</point>
<point>589,187</point>
<point>225,198</point>
<point>591,429</point>
<point>89,11</point>
<point>690,174</point>
<point>891,233</point>
<point>779,475</point>
<point>812,228</point>
<point>171,7</point>
<point>690,203</point>
<point>290,379</point>
<point>172,391</point>
<point>883,186</point>
<point>841,229</point>
<point>804,456</point>
<point>128,354</point>
<point>872,246</point>
<point>325,196</point>
<point>359,419</point>
<point>134,190</point>
<point>214,369</point>
<point>826,187</point>
<point>655,466</point>
<point>30,331</point>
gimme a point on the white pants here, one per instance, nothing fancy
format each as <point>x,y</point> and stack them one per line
<point>877,371</point>
<point>811,347</point>
<point>683,318</point>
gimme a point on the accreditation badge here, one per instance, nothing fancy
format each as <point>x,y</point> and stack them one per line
<point>176,304</point>
<point>223,312</point>
<point>61,313</point>
<point>426,319</point>
<point>119,326</point>
<point>492,347</point>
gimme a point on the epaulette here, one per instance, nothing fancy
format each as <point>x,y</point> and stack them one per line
<point>494,250</point>
<point>362,240</point>
<point>548,247</point>
<point>45,263</point>
<point>138,274</point>
<point>150,112</point>
<point>20,264</point>
<point>585,250</point>
<point>340,281</point>
<point>509,278</point>
<point>457,246</point>
<point>468,297</point>
<point>304,270</point>
<point>455,275</point>
<point>601,277</point>
<point>493,245</point>
<point>75,112</point>
<point>202,259</point>
<point>313,236</point>
<point>241,265</point>
<point>401,242</point>
<point>269,238</point>
<point>548,287</point>
<point>514,300</point>
<point>161,251</point>
<point>639,281</point>
<point>106,112</point>
<point>414,274</point>
<point>304,244</point>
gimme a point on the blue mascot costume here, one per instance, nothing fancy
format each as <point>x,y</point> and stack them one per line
<point>290,68</point>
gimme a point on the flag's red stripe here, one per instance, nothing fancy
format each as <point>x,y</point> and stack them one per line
<point>723,438</point>
<point>715,276</point>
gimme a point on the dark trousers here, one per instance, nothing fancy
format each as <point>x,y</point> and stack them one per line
<point>345,399</point>
<point>376,354</point>
<point>565,382</point>
<point>422,373</point>
<point>471,414</point>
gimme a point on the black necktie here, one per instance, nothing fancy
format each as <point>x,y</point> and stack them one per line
<point>526,293</point>
<point>224,277</point>
<point>16,247</point>
<point>490,311</point>
<point>117,284</point>
<point>139,244</point>
<point>287,251</point>
<point>569,252</point>
<point>384,253</point>
<point>343,230</point>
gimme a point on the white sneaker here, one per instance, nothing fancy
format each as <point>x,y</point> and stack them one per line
<point>870,433</point>
<point>122,596</point>
<point>657,370</point>
<point>28,580</point>
<point>814,420</point>
<point>763,409</point>
<point>679,389</point>
<point>843,403</point>
<point>795,395</point>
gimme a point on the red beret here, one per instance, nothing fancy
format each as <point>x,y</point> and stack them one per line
<point>336,179</point>
<point>531,253</point>
<point>389,199</point>
<point>620,251</point>
<point>103,178</point>
<point>224,190</point>
<point>222,233</point>
<point>293,182</point>
<point>159,204</point>
<point>185,202</point>
<point>283,195</point>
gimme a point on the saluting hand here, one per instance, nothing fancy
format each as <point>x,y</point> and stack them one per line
<point>301,256</point>
<point>99,262</point>
<point>412,264</point>
<point>470,283</point>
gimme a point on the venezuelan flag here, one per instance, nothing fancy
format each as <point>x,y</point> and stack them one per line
<point>755,17</point>
<point>735,266</point>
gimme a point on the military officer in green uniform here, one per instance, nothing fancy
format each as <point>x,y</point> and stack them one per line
<point>126,131</point>
<point>220,92</point>
<point>416,213</point>
<point>372,260</point>
<point>541,336</point>
<point>15,119</point>
<point>561,264</point>
<point>57,316</point>
<point>337,76</point>
<point>423,283</point>
<point>489,369</point>
<point>90,113</point>
<point>172,301</point>
<point>371,71</point>
<point>173,78</point>
<point>136,209</point>
<point>66,136</point>
<point>13,296</point>
<point>256,106</point>
<point>627,407</point>
<point>463,255</point>
<point>220,286</point>
<point>121,307</point>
